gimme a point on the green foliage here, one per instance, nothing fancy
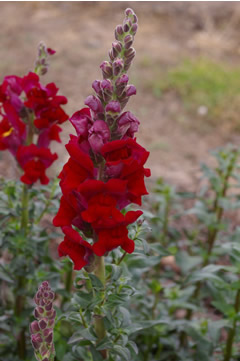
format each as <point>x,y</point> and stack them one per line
<point>26,260</point>
<point>176,298</point>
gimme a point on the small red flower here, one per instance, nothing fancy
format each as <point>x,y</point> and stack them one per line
<point>125,160</point>
<point>76,248</point>
<point>115,235</point>
<point>34,162</point>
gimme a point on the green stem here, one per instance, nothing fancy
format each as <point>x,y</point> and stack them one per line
<point>25,213</point>
<point>231,334</point>
<point>98,319</point>
<point>68,283</point>
<point>20,299</point>
<point>47,204</point>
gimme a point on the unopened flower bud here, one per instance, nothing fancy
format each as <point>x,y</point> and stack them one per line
<point>113,107</point>
<point>117,46</point>
<point>123,79</point>
<point>130,53</point>
<point>96,86</point>
<point>117,66</point>
<point>131,90</point>
<point>106,69</point>
<point>112,54</point>
<point>133,29</point>
<point>118,32</point>
<point>36,340</point>
<point>49,338</point>
<point>34,327</point>
<point>106,85</point>
<point>126,28</point>
<point>129,12</point>
<point>42,324</point>
<point>128,41</point>
<point>94,104</point>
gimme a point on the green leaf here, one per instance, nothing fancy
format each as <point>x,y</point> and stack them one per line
<point>5,277</point>
<point>95,354</point>
<point>133,346</point>
<point>187,262</point>
<point>123,352</point>
<point>104,344</point>
<point>96,283</point>
<point>144,325</point>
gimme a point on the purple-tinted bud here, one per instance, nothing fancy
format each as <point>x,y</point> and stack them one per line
<point>131,90</point>
<point>36,340</point>
<point>45,284</point>
<point>130,53</point>
<point>133,29</point>
<point>51,295</point>
<point>123,79</point>
<point>117,66</point>
<point>94,104</point>
<point>112,54</point>
<point>117,46</point>
<point>38,312</point>
<point>106,85</point>
<point>42,324</point>
<point>46,294</point>
<point>129,12</point>
<point>96,86</point>
<point>34,327</point>
<point>106,67</point>
<point>49,338</point>
<point>99,134</point>
<point>48,307</point>
<point>127,124</point>
<point>51,314</point>
<point>113,107</point>
<point>118,32</point>
<point>126,28</point>
<point>128,41</point>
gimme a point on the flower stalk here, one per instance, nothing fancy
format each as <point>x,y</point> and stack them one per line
<point>232,332</point>
<point>42,329</point>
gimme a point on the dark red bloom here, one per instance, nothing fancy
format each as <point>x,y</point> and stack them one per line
<point>76,248</point>
<point>115,235</point>
<point>75,151</point>
<point>73,174</point>
<point>5,132</point>
<point>34,162</point>
<point>125,160</point>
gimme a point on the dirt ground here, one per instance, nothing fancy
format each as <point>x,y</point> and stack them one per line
<point>82,33</point>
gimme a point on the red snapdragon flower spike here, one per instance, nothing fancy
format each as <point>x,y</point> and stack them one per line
<point>76,248</point>
<point>34,162</point>
<point>105,171</point>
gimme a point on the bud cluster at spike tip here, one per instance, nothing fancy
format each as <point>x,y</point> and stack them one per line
<point>41,330</point>
<point>105,171</point>
<point>29,109</point>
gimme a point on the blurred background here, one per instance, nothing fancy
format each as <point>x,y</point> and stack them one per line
<point>187,71</point>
